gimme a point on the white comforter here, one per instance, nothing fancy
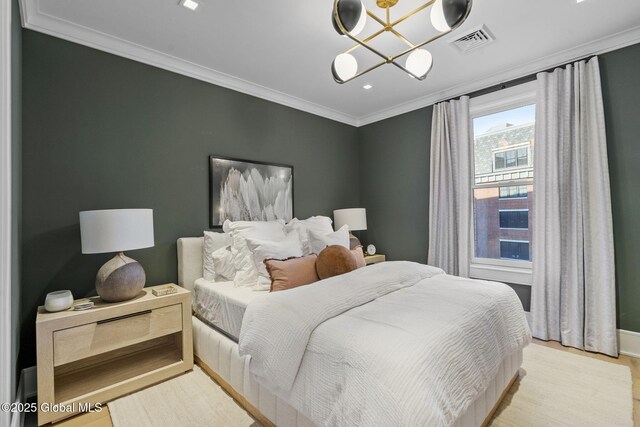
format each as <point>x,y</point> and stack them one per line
<point>394,344</point>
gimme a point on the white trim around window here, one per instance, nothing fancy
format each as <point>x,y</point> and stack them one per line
<point>6,351</point>
<point>500,270</point>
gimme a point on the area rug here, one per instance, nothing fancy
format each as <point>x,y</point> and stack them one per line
<point>190,400</point>
<point>557,388</point>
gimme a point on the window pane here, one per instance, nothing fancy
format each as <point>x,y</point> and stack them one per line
<point>511,159</point>
<point>514,250</point>
<point>514,219</point>
<point>523,157</point>
<point>503,144</point>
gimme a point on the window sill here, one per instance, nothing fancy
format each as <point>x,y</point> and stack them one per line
<point>496,273</point>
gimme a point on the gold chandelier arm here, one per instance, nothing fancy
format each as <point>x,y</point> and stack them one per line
<point>375,18</point>
<point>401,37</point>
<point>368,39</point>
<point>388,15</point>
<point>393,58</point>
<point>373,67</point>
<point>355,39</point>
<point>408,72</point>
<point>410,14</point>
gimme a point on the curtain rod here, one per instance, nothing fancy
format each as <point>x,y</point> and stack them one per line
<point>520,80</point>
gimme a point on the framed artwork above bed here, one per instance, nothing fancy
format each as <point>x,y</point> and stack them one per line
<point>247,190</point>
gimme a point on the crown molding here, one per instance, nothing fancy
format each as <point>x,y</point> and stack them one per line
<point>33,19</point>
<point>597,47</point>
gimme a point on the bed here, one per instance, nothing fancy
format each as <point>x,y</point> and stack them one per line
<point>221,305</point>
<point>285,380</point>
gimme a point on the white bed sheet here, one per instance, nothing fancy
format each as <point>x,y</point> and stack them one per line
<point>222,305</point>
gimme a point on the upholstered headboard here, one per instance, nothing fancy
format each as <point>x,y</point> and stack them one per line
<point>189,261</point>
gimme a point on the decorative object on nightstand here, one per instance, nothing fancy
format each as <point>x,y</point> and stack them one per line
<point>374,259</point>
<point>355,219</point>
<point>94,356</point>
<point>160,291</point>
<point>371,250</point>
<point>117,230</point>
<point>58,301</point>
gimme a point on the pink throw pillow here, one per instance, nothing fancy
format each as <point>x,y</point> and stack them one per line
<point>291,273</point>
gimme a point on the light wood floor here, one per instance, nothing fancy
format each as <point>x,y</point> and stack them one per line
<point>103,419</point>
<point>632,362</point>
<point>93,419</point>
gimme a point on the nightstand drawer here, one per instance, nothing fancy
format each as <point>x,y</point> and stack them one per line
<point>92,339</point>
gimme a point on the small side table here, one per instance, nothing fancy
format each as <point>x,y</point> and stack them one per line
<point>94,356</point>
<point>374,259</point>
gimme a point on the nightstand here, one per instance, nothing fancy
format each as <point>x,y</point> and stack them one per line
<point>374,259</point>
<point>93,356</point>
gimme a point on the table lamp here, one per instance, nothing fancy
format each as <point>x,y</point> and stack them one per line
<point>355,219</point>
<point>117,230</point>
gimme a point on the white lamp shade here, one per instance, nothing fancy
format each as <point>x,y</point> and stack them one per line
<point>116,230</point>
<point>355,219</point>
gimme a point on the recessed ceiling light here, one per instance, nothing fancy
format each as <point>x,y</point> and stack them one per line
<point>190,4</point>
<point>579,1</point>
<point>367,86</point>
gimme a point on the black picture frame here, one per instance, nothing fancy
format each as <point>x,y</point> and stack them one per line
<point>281,177</point>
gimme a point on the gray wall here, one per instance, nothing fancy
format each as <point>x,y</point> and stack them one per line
<point>101,131</point>
<point>394,187</point>
<point>621,92</point>
<point>395,157</point>
<point>16,178</point>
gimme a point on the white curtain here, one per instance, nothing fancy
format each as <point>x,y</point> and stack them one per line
<point>450,203</point>
<point>573,294</point>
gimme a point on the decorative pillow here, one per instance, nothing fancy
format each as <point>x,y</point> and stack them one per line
<point>246,272</point>
<point>223,264</point>
<point>354,242</point>
<point>335,260</point>
<point>288,247</point>
<point>320,241</point>
<point>358,255</point>
<point>291,273</point>
<point>212,242</point>
<point>318,224</point>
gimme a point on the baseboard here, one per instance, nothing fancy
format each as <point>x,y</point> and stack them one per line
<point>30,376</point>
<point>629,343</point>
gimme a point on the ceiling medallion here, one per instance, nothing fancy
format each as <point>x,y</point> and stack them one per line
<point>350,17</point>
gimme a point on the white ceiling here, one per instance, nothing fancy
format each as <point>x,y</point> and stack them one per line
<point>282,50</point>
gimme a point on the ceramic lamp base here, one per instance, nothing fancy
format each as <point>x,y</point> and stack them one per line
<point>120,279</point>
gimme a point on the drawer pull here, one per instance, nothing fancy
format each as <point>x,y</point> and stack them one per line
<point>126,316</point>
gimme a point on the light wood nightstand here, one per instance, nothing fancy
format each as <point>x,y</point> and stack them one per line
<point>374,259</point>
<point>93,356</point>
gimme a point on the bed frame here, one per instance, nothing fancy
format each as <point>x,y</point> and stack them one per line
<point>218,355</point>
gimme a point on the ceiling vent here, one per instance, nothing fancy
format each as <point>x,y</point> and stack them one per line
<point>475,38</point>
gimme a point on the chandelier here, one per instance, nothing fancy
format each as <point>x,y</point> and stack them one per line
<point>349,19</point>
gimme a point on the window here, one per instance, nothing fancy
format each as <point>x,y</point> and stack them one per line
<point>511,159</point>
<point>514,219</point>
<point>510,249</point>
<point>502,188</point>
<point>514,192</point>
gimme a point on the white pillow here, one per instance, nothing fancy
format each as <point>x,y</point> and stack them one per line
<point>318,224</point>
<point>223,264</point>
<point>320,241</point>
<point>289,247</point>
<point>246,272</point>
<point>212,242</point>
